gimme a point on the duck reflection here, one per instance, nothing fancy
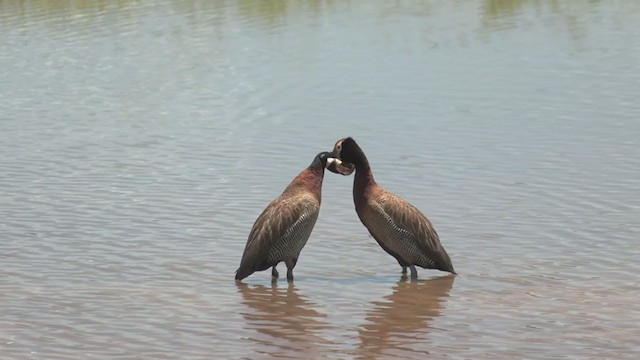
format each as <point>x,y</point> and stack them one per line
<point>285,322</point>
<point>396,326</point>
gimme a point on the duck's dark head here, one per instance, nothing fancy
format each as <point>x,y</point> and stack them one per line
<point>346,154</point>
<point>321,159</point>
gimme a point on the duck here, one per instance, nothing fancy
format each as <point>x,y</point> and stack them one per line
<point>285,225</point>
<point>402,230</point>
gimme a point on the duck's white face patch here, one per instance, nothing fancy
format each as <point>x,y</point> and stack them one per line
<point>339,166</point>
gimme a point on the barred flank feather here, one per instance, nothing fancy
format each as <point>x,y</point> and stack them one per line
<point>404,232</point>
<point>280,233</point>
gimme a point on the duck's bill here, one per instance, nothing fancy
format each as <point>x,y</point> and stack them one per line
<point>338,167</point>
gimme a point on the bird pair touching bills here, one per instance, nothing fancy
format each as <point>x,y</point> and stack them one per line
<point>283,228</point>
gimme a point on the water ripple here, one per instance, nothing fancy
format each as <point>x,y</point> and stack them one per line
<point>141,141</point>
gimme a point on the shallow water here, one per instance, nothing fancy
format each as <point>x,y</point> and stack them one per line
<point>141,140</point>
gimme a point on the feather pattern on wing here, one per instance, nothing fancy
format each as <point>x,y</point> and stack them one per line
<point>404,231</point>
<point>280,232</point>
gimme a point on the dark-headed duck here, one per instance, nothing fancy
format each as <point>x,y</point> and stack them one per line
<point>399,227</point>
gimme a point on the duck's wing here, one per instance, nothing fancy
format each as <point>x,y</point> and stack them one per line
<point>282,217</point>
<point>409,219</point>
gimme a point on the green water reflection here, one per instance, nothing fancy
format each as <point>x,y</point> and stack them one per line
<point>493,13</point>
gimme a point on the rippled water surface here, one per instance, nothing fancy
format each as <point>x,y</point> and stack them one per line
<point>139,140</point>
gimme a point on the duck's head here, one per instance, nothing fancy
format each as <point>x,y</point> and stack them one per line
<point>325,159</point>
<point>321,159</point>
<point>343,157</point>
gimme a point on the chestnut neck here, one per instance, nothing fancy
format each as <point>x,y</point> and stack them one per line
<point>309,179</point>
<point>363,181</point>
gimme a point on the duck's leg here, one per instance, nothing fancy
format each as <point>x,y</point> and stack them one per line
<point>274,274</point>
<point>414,272</point>
<point>290,265</point>
<point>404,272</point>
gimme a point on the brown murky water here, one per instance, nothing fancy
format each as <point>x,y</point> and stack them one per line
<point>140,140</point>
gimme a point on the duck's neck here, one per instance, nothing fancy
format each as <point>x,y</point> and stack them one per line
<point>363,181</point>
<point>309,179</point>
